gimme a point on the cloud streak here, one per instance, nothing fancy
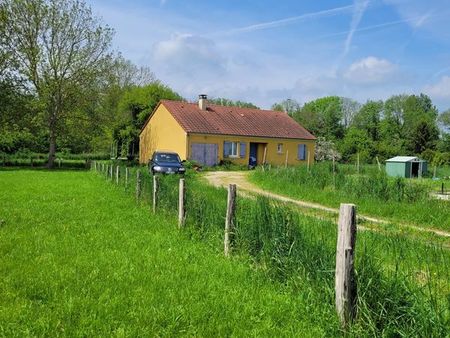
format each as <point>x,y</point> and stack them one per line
<point>358,12</point>
<point>287,21</point>
<point>372,27</point>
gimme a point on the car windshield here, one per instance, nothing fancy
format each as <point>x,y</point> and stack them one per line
<point>169,158</point>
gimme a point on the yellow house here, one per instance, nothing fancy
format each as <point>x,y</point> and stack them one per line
<point>210,134</point>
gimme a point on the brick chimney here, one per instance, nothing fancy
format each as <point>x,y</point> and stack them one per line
<point>202,101</point>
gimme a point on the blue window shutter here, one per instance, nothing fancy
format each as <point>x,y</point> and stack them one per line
<point>242,149</point>
<point>226,148</point>
<point>301,152</point>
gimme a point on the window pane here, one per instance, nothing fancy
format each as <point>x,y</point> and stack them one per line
<point>234,148</point>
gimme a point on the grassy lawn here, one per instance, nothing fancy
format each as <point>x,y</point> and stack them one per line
<point>78,257</point>
<point>413,207</point>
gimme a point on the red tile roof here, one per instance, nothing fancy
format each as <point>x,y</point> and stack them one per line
<point>225,120</point>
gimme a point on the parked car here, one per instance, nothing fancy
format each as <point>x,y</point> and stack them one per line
<point>165,162</point>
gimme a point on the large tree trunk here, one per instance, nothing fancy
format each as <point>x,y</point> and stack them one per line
<point>51,150</point>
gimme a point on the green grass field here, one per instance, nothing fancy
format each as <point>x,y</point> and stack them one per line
<point>79,257</point>
<point>397,200</point>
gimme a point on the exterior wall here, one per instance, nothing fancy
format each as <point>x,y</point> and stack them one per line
<point>397,169</point>
<point>162,132</point>
<point>272,156</point>
<point>408,168</point>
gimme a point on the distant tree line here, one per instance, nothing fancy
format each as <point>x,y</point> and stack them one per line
<point>401,125</point>
<point>63,88</point>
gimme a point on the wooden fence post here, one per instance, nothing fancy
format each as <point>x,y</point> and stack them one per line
<point>117,174</point>
<point>181,202</point>
<point>127,173</point>
<point>334,172</point>
<point>286,160</point>
<point>229,220</point>
<point>138,185</point>
<point>111,168</point>
<point>345,283</point>
<point>308,158</point>
<point>155,192</point>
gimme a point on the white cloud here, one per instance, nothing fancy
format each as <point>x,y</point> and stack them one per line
<point>370,70</point>
<point>439,90</point>
<point>189,55</point>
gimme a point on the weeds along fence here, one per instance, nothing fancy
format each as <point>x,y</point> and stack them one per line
<point>402,285</point>
<point>370,183</point>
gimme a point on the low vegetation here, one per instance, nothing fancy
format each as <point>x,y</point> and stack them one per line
<point>376,194</point>
<point>79,258</point>
<point>74,269</point>
<point>400,281</point>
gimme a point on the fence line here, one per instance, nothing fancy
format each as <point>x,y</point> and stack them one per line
<point>138,185</point>
<point>155,193</point>
<point>181,203</point>
<point>229,219</point>
<point>345,285</point>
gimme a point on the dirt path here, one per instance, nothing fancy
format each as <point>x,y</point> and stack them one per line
<point>240,178</point>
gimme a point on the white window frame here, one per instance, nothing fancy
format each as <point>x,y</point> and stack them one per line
<point>234,149</point>
<point>280,148</point>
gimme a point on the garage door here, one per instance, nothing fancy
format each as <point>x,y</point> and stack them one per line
<point>204,153</point>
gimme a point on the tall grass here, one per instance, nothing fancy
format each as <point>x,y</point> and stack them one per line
<point>403,284</point>
<point>375,193</point>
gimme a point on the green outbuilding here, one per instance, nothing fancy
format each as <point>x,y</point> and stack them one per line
<point>406,166</point>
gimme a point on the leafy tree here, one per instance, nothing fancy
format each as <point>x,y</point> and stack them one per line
<point>20,120</point>
<point>323,117</point>
<point>135,106</point>
<point>444,143</point>
<point>368,119</point>
<point>326,150</point>
<point>444,119</point>
<point>420,123</point>
<point>349,109</point>
<point>356,141</point>
<point>58,47</point>
<point>289,106</point>
<point>227,102</point>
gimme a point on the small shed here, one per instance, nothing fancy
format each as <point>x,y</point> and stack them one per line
<point>406,166</point>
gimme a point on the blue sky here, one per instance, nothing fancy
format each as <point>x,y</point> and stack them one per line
<point>266,51</point>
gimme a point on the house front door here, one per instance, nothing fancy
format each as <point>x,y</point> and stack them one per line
<point>252,159</point>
